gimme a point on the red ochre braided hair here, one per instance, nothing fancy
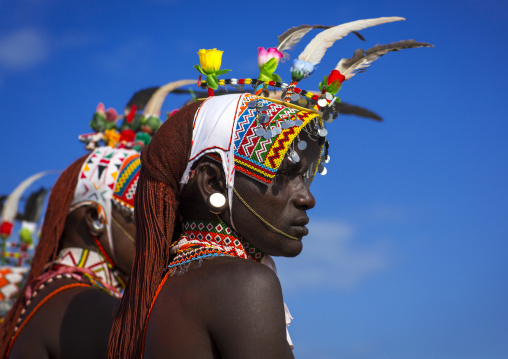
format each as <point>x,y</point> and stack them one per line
<point>54,223</point>
<point>163,161</point>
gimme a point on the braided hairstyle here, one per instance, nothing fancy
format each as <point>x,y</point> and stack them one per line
<point>164,161</point>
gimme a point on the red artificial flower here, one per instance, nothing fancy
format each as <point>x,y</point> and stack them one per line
<point>132,113</point>
<point>127,135</point>
<point>6,229</point>
<point>335,75</point>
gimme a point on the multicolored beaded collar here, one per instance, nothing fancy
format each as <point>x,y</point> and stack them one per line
<point>204,239</point>
<point>86,266</point>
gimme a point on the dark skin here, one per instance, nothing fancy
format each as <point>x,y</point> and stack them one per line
<point>230,307</point>
<point>76,322</point>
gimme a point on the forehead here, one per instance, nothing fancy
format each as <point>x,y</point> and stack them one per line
<point>265,131</point>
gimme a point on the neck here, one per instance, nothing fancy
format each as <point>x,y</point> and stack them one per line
<point>204,238</point>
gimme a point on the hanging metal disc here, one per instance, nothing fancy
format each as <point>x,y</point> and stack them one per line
<point>302,145</point>
<point>260,131</point>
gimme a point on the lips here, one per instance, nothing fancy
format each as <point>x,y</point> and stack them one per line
<point>299,228</point>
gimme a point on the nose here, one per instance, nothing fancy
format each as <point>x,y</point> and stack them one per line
<point>304,198</point>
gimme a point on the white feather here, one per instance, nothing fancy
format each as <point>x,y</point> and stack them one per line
<point>316,49</point>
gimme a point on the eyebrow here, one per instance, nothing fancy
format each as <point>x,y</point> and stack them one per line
<point>288,165</point>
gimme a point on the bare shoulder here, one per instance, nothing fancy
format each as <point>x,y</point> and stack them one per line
<point>247,319</point>
<point>231,307</point>
<point>248,315</point>
<point>242,276</point>
<point>65,322</point>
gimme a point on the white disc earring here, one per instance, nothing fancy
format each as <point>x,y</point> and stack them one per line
<point>217,200</point>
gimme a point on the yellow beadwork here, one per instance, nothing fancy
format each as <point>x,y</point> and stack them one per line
<point>308,116</point>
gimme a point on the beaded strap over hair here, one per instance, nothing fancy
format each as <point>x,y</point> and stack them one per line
<point>163,163</point>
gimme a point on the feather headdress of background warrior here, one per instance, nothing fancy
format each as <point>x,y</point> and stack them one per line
<point>223,185</point>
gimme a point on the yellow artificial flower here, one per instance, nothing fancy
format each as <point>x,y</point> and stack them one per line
<point>210,60</point>
<point>111,137</point>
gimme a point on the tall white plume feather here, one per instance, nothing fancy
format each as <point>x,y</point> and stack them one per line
<point>292,36</point>
<point>316,49</point>
<point>363,59</point>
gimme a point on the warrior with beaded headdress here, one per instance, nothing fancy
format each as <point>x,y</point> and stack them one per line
<point>223,186</point>
<point>87,242</point>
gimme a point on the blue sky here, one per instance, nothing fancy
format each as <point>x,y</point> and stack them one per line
<point>407,253</point>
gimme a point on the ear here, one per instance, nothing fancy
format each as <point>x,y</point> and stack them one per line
<point>95,223</point>
<point>210,181</point>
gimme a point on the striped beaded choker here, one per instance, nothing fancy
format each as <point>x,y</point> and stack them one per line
<point>204,239</point>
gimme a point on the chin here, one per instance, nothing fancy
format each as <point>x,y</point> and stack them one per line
<point>288,248</point>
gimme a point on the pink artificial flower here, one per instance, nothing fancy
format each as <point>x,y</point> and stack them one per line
<point>111,114</point>
<point>100,108</point>
<point>266,55</point>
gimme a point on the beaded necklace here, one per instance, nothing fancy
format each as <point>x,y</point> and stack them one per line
<point>205,239</point>
<point>88,267</point>
<point>85,266</point>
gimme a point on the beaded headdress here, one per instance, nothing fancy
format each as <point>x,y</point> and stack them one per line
<point>110,173</point>
<point>256,132</point>
<point>230,126</point>
<point>107,175</point>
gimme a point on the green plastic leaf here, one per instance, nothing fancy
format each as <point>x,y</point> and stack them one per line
<point>201,71</point>
<point>98,123</point>
<point>270,66</point>
<point>212,81</point>
<point>110,125</point>
<point>222,72</point>
<point>265,76</point>
<point>276,78</point>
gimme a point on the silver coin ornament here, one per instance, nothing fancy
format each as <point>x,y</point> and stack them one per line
<point>328,96</point>
<point>264,108</point>
<point>326,159</point>
<point>260,132</point>
<point>252,104</point>
<point>264,118</point>
<point>302,101</point>
<point>298,123</point>
<point>295,97</point>
<point>285,125</point>
<point>302,145</point>
<point>329,117</point>
<point>278,130</point>
<point>322,102</point>
<point>268,135</point>
<point>322,132</point>
<point>322,169</point>
<point>294,156</point>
